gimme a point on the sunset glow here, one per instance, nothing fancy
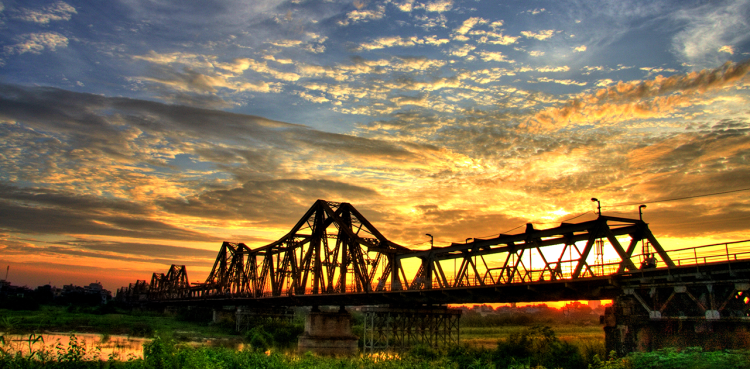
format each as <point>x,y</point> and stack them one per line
<point>135,134</point>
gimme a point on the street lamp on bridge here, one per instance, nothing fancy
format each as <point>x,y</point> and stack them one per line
<point>599,205</point>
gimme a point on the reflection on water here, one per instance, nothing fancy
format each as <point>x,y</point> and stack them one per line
<point>104,347</point>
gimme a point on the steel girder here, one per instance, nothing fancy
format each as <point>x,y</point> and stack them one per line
<point>334,250</point>
<point>173,285</point>
<point>512,256</point>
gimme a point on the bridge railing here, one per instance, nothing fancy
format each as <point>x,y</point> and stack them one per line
<point>727,251</point>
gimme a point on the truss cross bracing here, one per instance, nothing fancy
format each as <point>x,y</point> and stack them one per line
<point>335,256</point>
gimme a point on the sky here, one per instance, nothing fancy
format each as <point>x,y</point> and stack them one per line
<point>135,134</point>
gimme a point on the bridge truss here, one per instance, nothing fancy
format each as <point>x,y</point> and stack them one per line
<point>333,250</point>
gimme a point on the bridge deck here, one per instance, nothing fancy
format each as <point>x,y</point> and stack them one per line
<point>334,256</point>
<point>594,288</point>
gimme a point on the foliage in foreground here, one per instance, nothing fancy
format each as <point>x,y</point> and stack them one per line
<point>671,358</point>
<point>534,348</point>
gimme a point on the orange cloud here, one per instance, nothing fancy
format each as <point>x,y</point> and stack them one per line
<point>641,99</point>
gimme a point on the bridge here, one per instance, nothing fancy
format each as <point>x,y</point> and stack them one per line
<point>335,256</point>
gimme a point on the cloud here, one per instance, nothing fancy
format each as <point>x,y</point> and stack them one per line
<point>500,39</point>
<point>536,11</point>
<point>541,35</point>
<point>289,197</point>
<point>493,56</point>
<point>153,134</point>
<point>184,73</point>
<point>35,43</point>
<point>433,40</point>
<point>111,168</point>
<point>23,210</point>
<point>391,41</point>
<point>562,81</point>
<point>651,70</point>
<point>468,24</point>
<point>436,6</point>
<point>357,16</point>
<point>580,49</point>
<point>461,51</point>
<point>727,49</point>
<point>641,99</point>
<point>708,25</point>
<point>58,11</point>
<point>405,6</point>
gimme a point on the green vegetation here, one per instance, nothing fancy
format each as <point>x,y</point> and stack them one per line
<point>670,358</point>
<point>566,343</point>
<point>113,321</point>
<point>533,348</point>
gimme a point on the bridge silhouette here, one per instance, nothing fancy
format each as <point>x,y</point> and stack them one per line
<point>335,256</point>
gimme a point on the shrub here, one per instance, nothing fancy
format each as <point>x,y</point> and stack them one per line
<point>536,346</point>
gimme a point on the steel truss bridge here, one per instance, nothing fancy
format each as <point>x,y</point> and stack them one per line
<point>335,256</point>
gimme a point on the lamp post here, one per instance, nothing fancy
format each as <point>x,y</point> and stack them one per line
<point>640,211</point>
<point>432,239</point>
<point>599,205</point>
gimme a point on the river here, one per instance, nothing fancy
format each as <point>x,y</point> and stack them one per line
<point>94,345</point>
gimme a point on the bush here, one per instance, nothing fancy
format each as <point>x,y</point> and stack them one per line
<point>465,357</point>
<point>259,339</point>
<point>536,346</point>
<point>279,334</point>
<point>423,352</point>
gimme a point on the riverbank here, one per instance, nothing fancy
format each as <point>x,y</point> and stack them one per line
<point>184,326</point>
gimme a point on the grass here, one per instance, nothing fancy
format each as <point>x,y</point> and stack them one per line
<point>137,323</point>
<point>487,337</point>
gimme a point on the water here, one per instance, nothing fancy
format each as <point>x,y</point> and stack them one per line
<point>96,346</point>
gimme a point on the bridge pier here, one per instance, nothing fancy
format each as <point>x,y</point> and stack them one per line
<point>328,334</point>
<point>713,315</point>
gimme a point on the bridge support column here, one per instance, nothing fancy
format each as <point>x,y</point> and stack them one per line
<point>398,329</point>
<point>712,315</point>
<point>222,314</point>
<point>328,334</point>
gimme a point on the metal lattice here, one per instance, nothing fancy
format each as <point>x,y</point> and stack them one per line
<point>398,329</point>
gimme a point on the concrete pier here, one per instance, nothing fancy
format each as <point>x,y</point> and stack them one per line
<point>328,334</point>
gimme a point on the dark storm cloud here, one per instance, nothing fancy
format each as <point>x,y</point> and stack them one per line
<point>35,211</point>
<point>275,202</point>
<point>144,251</point>
<point>121,252</point>
<point>96,118</point>
<point>63,200</point>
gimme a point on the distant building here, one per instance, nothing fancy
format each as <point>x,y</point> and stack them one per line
<point>93,293</point>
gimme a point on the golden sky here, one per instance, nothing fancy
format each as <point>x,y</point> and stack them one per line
<point>142,133</point>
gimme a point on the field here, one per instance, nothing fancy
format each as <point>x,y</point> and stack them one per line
<point>487,337</point>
